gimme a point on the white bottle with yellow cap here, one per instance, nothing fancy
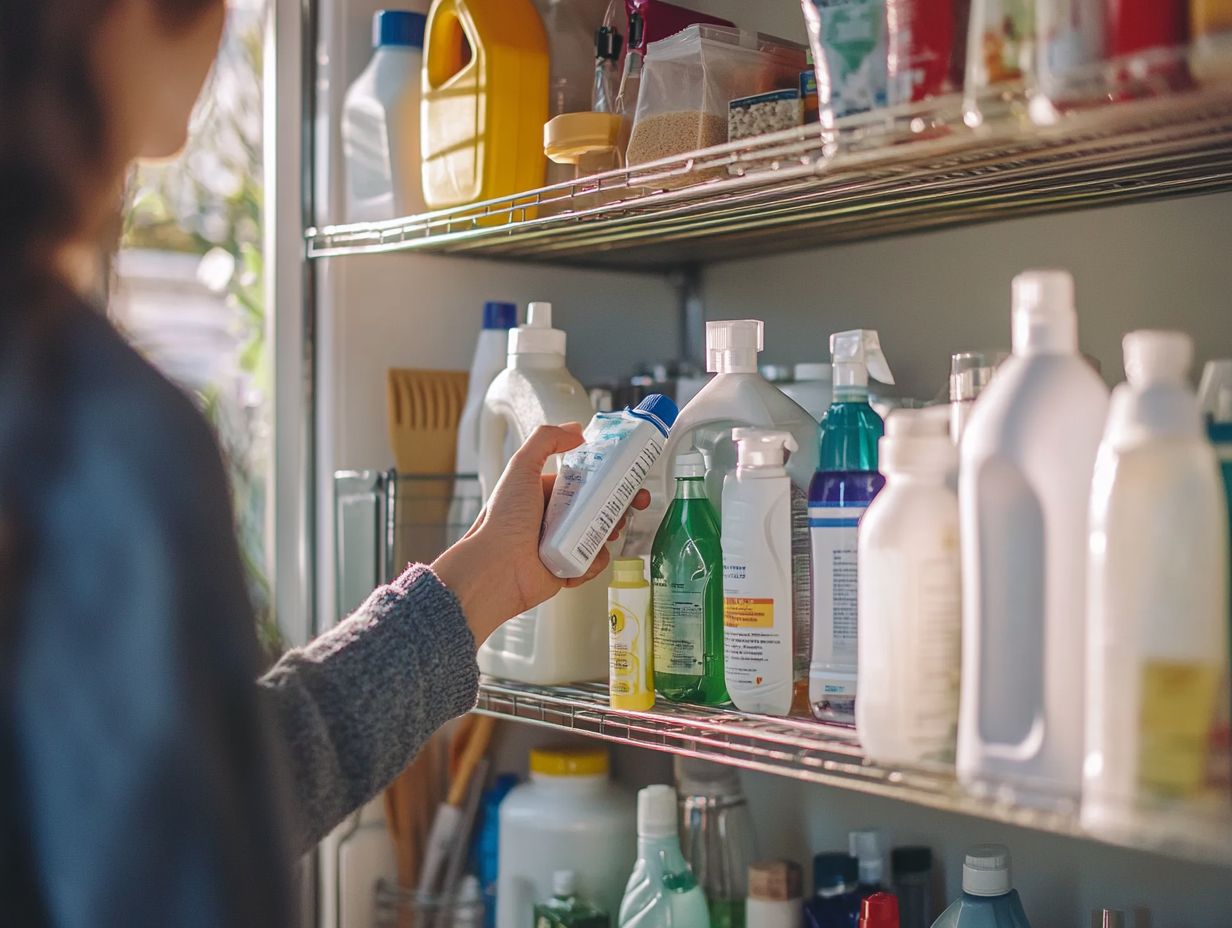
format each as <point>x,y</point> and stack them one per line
<point>757,573</point>
<point>631,651</point>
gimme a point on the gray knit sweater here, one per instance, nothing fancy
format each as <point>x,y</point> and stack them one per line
<point>144,778</point>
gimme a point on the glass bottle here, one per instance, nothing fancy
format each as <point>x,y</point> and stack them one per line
<point>565,909</point>
<point>661,892</point>
<point>686,569</point>
<point>716,836</point>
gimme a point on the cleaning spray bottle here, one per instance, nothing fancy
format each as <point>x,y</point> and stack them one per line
<point>757,574</point>
<point>739,397</point>
<point>845,483</point>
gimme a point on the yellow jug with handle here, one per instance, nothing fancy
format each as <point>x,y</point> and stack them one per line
<point>485,101</point>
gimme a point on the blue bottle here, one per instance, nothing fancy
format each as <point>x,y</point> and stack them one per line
<point>836,903</point>
<point>988,899</point>
<point>485,851</point>
<point>845,483</point>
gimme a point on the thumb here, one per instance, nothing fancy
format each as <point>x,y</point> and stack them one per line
<point>544,442</point>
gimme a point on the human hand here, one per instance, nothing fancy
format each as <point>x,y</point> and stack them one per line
<point>495,569</point>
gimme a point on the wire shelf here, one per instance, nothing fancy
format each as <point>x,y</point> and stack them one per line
<point>802,750</point>
<point>780,192</point>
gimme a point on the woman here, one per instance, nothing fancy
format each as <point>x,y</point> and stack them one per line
<point>144,779</point>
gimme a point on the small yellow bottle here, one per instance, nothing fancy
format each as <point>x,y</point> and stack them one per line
<point>631,642</point>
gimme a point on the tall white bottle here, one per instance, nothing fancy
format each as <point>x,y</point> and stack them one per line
<point>380,123</point>
<point>565,639</point>
<point>758,625</point>
<point>1157,664</point>
<point>910,607</point>
<point>1027,454</point>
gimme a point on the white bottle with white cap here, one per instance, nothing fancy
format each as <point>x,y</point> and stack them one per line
<point>565,639</point>
<point>758,626</point>
<point>1157,663</point>
<point>988,898</point>
<point>739,397</point>
<point>910,612</point>
<point>1028,454</point>
<point>661,890</point>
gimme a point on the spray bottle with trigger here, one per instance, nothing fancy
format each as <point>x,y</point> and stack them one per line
<point>845,483</point>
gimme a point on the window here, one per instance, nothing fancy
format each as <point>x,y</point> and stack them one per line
<point>189,287</point>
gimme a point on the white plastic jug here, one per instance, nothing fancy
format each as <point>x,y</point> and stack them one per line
<point>565,639</point>
<point>1024,487</point>
<point>380,123</point>
<point>1157,666</point>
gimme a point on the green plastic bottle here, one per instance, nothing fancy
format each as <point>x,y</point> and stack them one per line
<point>565,909</point>
<point>686,575</point>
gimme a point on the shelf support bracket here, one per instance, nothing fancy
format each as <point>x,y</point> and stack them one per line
<point>691,310</point>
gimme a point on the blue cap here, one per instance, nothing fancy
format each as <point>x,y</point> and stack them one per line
<point>659,410</point>
<point>398,27</point>
<point>834,870</point>
<point>500,315</point>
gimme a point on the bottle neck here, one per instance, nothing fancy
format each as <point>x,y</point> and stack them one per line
<point>652,845</point>
<point>851,393</point>
<point>691,488</point>
<point>548,361</point>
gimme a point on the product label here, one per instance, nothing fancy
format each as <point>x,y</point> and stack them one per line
<point>604,437</point>
<point>680,627</point>
<point>801,584</point>
<point>1007,39</point>
<point>832,673</point>
<point>628,655</point>
<point>851,74</point>
<point>1177,727</point>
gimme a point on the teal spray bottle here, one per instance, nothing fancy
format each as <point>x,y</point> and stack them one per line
<point>845,483</point>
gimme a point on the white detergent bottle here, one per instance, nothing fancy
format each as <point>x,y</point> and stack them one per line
<point>1157,661</point>
<point>739,397</point>
<point>380,123</point>
<point>565,639</point>
<point>1027,454</point>
<point>758,626</point>
<point>910,612</point>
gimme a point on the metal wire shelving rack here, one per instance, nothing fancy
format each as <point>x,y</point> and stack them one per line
<point>782,192</point>
<point>805,750</point>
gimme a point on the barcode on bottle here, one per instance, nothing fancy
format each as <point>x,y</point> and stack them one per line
<point>600,529</point>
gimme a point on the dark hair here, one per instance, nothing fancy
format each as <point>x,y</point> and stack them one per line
<point>56,163</point>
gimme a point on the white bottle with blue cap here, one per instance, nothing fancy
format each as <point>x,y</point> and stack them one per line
<point>380,123</point>
<point>597,482</point>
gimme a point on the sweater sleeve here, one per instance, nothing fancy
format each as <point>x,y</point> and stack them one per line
<point>356,704</point>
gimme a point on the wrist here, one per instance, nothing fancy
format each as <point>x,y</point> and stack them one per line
<point>468,575</point>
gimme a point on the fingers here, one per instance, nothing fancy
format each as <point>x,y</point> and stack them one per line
<point>544,442</point>
<point>642,499</point>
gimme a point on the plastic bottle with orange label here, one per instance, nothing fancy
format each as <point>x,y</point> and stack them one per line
<point>758,624</point>
<point>485,100</point>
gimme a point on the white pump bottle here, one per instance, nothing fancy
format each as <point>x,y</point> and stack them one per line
<point>565,639</point>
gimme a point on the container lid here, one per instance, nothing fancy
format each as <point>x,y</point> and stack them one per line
<point>569,762</point>
<point>880,910</point>
<point>703,778</point>
<point>911,859</point>
<point>868,845</point>
<point>537,336</point>
<point>1043,317</point>
<point>1157,357</point>
<point>398,28</point>
<point>814,371</point>
<point>918,440</point>
<point>656,812</point>
<point>834,870</point>
<point>763,447</point>
<point>776,881</point>
<point>564,883</point>
<point>628,569</point>
<point>1215,392</point>
<point>500,315</point>
<point>971,372</point>
<point>569,136</point>
<point>659,410</point>
<point>690,464</point>
<point>732,346</point>
<point>986,870</point>
<point>857,356</point>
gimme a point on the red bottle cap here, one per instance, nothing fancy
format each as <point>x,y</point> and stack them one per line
<point>880,910</point>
